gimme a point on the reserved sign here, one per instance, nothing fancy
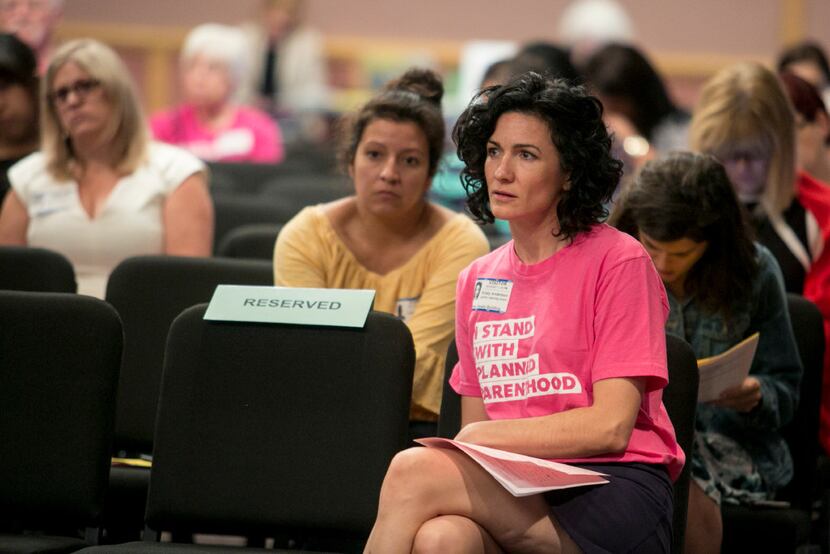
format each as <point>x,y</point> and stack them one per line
<point>334,307</point>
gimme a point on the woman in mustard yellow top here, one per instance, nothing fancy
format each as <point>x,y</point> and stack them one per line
<point>388,236</point>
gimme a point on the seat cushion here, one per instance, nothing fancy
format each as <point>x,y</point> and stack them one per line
<point>31,544</point>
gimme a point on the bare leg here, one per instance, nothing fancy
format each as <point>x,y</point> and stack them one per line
<point>454,534</point>
<point>704,526</point>
<point>423,484</point>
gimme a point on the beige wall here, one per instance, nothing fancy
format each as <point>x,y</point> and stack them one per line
<point>719,26</point>
<point>688,39</point>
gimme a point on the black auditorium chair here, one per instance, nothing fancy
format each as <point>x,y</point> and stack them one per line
<point>149,292</point>
<point>250,242</point>
<point>268,429</point>
<point>772,529</point>
<point>35,269</point>
<point>298,191</point>
<point>680,398</point>
<point>241,178</point>
<point>235,211</point>
<point>59,360</point>
<point>245,178</point>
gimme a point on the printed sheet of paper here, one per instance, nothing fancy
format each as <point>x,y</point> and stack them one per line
<point>725,370</point>
<point>521,475</point>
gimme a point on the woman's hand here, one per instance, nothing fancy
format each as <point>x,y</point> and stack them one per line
<point>741,398</point>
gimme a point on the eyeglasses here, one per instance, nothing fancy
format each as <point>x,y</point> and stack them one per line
<point>81,88</point>
<point>746,156</point>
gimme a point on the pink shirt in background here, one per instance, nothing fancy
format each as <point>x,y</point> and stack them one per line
<point>533,339</point>
<point>251,137</point>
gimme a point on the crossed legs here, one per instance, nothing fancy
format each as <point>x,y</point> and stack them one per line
<point>439,500</point>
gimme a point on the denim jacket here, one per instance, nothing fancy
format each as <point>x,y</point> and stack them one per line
<point>777,367</point>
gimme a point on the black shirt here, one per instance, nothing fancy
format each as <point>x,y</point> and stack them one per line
<point>796,217</point>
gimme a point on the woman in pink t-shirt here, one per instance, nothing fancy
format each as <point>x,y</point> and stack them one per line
<point>209,123</point>
<point>561,345</point>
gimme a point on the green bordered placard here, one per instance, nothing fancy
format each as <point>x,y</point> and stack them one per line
<point>301,306</point>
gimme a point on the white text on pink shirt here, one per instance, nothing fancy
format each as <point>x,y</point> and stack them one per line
<point>503,375</point>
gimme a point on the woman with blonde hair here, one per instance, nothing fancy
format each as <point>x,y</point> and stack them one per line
<point>99,190</point>
<point>745,119</point>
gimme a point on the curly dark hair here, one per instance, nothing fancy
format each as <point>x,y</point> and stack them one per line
<point>688,195</point>
<point>414,97</point>
<point>576,130</point>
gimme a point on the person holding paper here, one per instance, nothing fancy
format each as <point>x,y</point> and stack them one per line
<point>746,120</point>
<point>562,355</point>
<point>722,288</point>
<point>388,236</point>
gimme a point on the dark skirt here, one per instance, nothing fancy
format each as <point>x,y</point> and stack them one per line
<point>632,513</point>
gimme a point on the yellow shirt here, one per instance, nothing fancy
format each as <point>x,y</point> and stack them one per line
<point>309,253</point>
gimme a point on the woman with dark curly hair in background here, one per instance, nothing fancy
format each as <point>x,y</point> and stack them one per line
<point>580,307</point>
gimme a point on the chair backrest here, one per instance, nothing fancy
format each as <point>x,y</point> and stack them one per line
<point>278,426</point>
<point>801,432</point>
<point>679,397</point>
<point>240,178</point>
<point>59,360</point>
<point>235,211</point>
<point>250,242</point>
<point>35,269</point>
<point>449,420</point>
<point>149,292</point>
<point>245,178</point>
<point>297,192</point>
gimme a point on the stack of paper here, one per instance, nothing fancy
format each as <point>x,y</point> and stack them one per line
<point>521,475</point>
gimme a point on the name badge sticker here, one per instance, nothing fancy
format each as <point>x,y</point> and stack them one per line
<point>51,201</point>
<point>301,306</point>
<point>405,308</point>
<point>492,295</point>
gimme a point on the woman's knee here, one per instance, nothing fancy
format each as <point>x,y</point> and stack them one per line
<point>449,534</point>
<point>414,472</point>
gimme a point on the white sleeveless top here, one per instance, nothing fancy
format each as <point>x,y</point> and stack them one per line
<point>128,224</point>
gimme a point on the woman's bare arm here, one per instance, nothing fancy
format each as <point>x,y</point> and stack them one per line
<point>14,221</point>
<point>602,428</point>
<point>188,219</point>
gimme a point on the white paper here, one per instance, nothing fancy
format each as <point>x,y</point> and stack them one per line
<point>725,370</point>
<point>521,475</point>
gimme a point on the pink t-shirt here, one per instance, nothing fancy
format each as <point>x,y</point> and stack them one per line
<point>252,136</point>
<point>533,339</point>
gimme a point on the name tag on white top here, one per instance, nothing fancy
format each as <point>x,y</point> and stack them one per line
<point>300,306</point>
<point>492,295</point>
<point>52,200</point>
